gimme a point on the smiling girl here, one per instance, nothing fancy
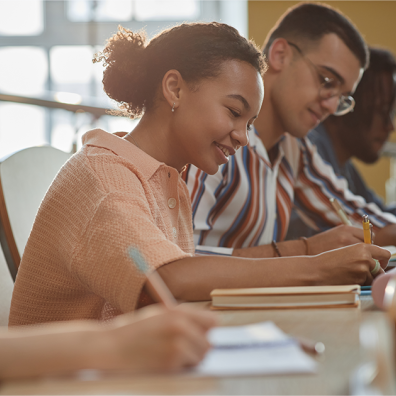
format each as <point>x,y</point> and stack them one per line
<point>198,88</point>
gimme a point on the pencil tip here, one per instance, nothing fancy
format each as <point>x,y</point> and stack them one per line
<point>137,258</point>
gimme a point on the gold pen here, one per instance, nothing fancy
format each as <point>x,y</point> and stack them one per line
<point>368,238</point>
<point>341,214</point>
<point>366,230</point>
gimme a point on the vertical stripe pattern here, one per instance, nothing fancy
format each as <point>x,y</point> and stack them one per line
<point>249,200</point>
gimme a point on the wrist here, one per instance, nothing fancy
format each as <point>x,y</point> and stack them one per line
<point>309,272</point>
<point>292,248</point>
<point>304,240</point>
<point>99,349</point>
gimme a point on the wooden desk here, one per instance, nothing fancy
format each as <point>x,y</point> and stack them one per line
<point>338,329</point>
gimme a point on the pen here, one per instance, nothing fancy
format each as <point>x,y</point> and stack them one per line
<point>341,214</point>
<point>156,284</point>
<point>367,235</point>
<point>366,230</point>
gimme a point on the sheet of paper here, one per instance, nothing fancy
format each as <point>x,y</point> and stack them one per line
<point>251,350</point>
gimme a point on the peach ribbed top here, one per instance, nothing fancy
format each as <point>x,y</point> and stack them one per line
<point>107,197</point>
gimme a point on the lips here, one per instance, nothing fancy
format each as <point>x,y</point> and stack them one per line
<point>227,151</point>
<point>317,117</point>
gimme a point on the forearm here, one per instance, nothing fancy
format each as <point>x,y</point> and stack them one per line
<point>50,350</point>
<point>193,279</point>
<point>286,248</point>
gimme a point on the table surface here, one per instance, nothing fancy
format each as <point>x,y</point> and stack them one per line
<point>338,329</point>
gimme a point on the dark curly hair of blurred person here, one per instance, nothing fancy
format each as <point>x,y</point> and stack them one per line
<point>135,67</point>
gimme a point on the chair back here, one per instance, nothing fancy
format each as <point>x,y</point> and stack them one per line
<point>24,180</point>
<point>6,288</point>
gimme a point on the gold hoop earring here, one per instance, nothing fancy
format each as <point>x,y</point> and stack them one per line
<point>173,108</point>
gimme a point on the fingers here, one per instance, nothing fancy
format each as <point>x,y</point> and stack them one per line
<point>378,255</point>
<point>188,341</point>
<point>353,264</point>
<point>356,233</point>
<point>369,280</point>
<point>204,319</point>
<point>382,255</point>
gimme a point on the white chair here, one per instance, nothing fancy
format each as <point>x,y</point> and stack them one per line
<point>6,288</point>
<point>24,179</point>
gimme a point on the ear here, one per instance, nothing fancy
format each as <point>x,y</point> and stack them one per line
<point>279,54</point>
<point>172,85</point>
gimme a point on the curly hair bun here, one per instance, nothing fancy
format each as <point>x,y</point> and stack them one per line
<point>134,68</point>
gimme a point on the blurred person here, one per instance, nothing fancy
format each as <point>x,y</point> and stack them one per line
<point>199,88</point>
<point>154,339</point>
<point>359,134</point>
<point>316,58</point>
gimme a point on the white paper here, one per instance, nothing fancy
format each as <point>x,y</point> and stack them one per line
<point>261,348</point>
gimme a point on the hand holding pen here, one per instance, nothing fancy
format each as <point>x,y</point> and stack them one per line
<point>367,233</point>
<point>181,326</point>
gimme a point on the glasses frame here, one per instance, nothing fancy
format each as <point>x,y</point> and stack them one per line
<point>345,103</point>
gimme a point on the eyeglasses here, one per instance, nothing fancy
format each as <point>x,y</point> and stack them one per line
<point>330,86</point>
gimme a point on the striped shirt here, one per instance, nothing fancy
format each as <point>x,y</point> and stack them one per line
<point>249,200</point>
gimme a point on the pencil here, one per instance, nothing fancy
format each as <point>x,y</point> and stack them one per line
<point>341,214</point>
<point>366,230</point>
<point>310,346</point>
<point>367,235</point>
<point>156,285</point>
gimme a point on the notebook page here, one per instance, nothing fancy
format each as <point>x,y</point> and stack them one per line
<point>251,350</point>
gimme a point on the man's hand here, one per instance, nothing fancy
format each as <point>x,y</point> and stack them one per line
<point>385,236</point>
<point>334,238</point>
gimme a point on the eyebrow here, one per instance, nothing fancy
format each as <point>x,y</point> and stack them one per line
<point>240,98</point>
<point>342,80</point>
<point>331,70</point>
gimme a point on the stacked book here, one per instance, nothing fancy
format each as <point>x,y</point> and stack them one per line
<point>287,297</point>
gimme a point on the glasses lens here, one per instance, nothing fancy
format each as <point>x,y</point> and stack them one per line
<point>345,105</point>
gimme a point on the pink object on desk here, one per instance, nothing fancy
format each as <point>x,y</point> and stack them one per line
<point>379,285</point>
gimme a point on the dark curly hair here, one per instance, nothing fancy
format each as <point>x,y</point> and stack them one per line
<point>134,68</point>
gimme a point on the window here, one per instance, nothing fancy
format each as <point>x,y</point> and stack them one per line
<point>155,10</point>
<point>126,10</point>
<point>26,69</point>
<point>46,47</point>
<point>21,17</point>
<point>104,10</point>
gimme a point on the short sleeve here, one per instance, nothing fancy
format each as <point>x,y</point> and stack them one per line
<point>101,260</point>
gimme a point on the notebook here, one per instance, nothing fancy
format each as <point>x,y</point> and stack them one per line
<point>257,349</point>
<point>287,297</point>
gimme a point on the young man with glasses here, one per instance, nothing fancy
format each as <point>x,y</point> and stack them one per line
<point>316,58</point>
<point>360,134</point>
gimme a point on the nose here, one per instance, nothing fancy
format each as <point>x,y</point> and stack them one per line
<point>330,104</point>
<point>240,136</point>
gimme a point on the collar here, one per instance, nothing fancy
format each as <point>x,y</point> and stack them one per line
<point>257,144</point>
<point>146,164</point>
